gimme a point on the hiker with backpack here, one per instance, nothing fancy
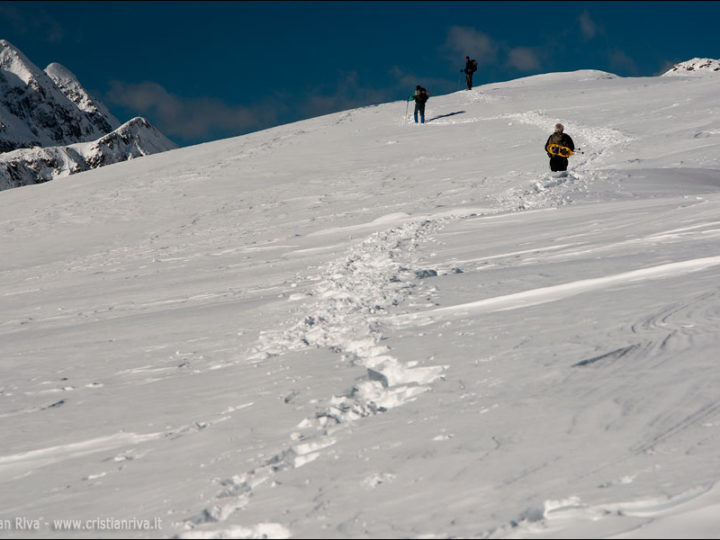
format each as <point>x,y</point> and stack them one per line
<point>559,147</point>
<point>470,68</point>
<point>420,97</point>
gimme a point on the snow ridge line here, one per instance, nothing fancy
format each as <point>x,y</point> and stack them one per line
<point>374,276</point>
<point>554,516</point>
<point>553,293</point>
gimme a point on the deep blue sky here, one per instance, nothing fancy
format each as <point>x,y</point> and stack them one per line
<point>201,71</point>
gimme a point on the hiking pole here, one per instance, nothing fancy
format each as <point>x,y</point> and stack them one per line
<point>459,81</point>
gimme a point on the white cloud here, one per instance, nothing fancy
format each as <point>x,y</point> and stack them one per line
<point>408,81</point>
<point>348,93</point>
<point>588,27</point>
<point>620,60</point>
<point>464,41</point>
<point>186,117</point>
<point>523,59</point>
<point>200,118</point>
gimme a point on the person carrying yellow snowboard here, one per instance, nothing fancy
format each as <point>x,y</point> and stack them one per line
<point>559,148</point>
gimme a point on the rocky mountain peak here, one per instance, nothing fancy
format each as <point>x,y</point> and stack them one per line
<point>69,84</point>
<point>51,126</point>
<point>695,66</point>
<point>14,62</point>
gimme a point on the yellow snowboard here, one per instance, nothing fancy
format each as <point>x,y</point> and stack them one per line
<point>557,150</point>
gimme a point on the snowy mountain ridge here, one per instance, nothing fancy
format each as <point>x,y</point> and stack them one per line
<point>27,166</point>
<point>34,110</point>
<point>44,113</point>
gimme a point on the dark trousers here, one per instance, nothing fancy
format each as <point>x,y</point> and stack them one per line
<point>468,80</point>
<point>420,108</point>
<point>558,163</point>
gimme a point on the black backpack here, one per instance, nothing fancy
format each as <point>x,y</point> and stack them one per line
<point>473,66</point>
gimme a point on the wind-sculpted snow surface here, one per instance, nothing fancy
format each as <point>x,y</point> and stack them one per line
<point>559,292</point>
<point>353,326</point>
<point>686,515</point>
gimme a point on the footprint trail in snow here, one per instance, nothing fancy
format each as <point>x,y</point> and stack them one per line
<point>374,277</point>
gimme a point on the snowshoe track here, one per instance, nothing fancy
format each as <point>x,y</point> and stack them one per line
<point>372,278</point>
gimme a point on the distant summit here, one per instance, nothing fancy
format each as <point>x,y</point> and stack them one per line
<point>66,81</point>
<point>35,111</point>
<point>44,115</point>
<point>696,66</point>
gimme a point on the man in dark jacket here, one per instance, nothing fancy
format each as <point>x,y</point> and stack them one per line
<point>420,97</point>
<point>470,68</point>
<point>559,147</point>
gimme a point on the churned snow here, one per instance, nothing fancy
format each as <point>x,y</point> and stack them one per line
<point>353,326</point>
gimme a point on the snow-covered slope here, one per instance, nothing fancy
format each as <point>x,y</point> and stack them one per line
<point>355,327</point>
<point>45,115</point>
<point>694,67</point>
